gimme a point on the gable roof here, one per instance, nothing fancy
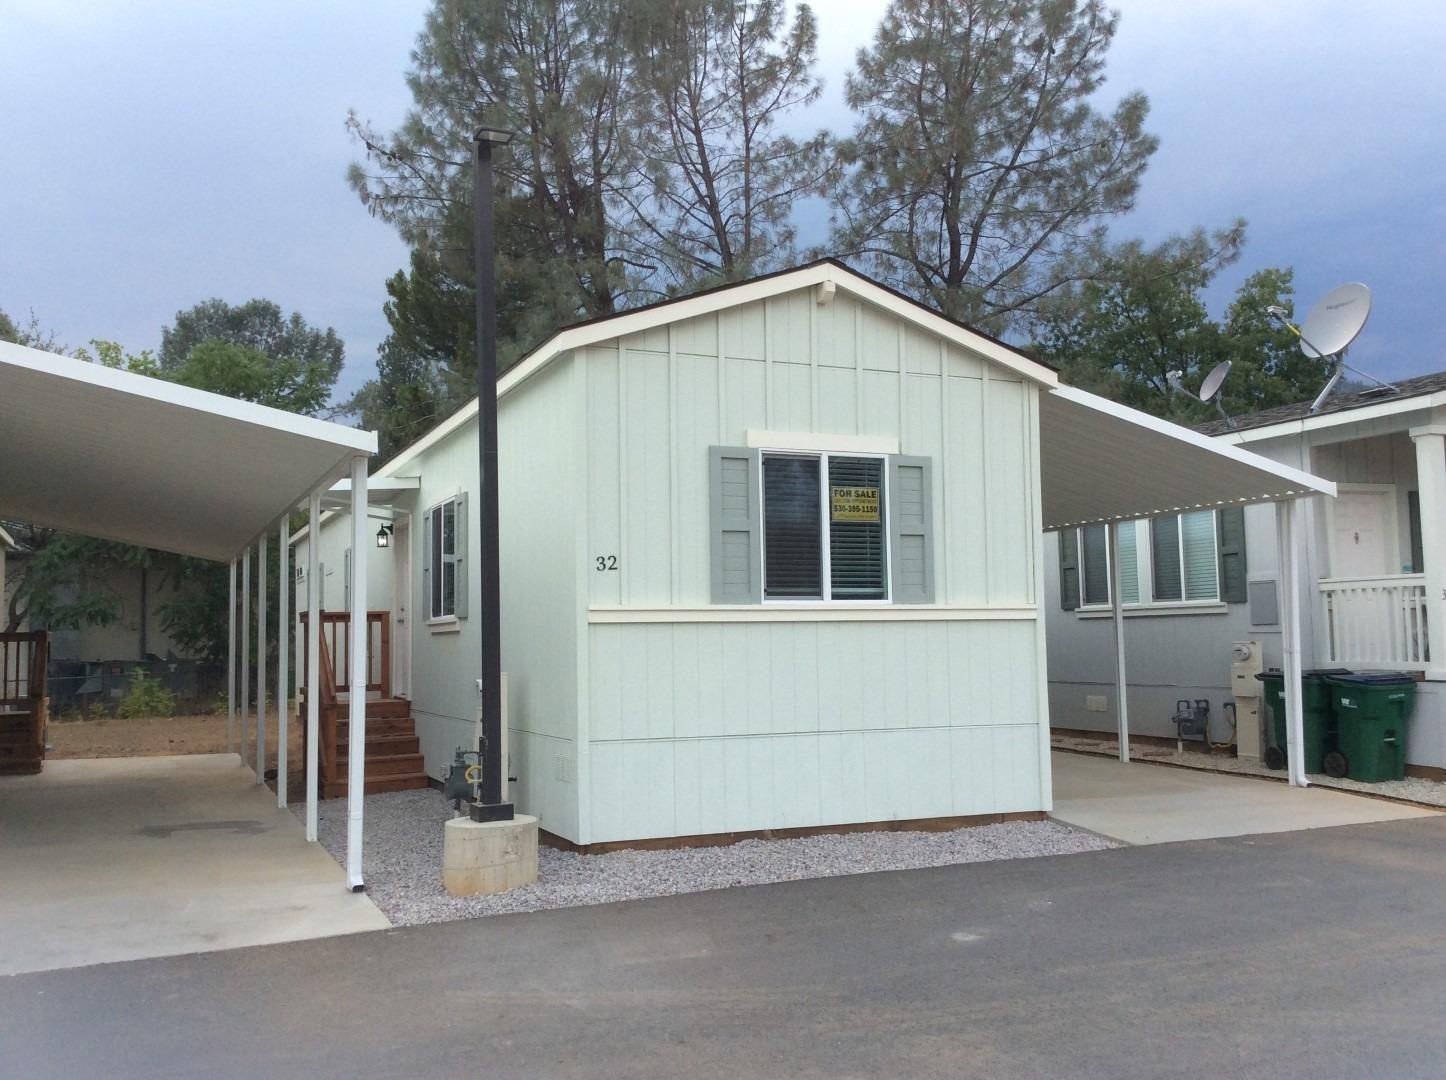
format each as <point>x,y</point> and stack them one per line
<point>1420,386</point>
<point>721,297</point>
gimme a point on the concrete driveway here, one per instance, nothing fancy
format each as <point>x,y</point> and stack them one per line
<point>1141,803</point>
<point>123,858</point>
<point>1294,956</point>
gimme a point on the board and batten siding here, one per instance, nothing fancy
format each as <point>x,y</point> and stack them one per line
<point>541,615</point>
<point>696,719</point>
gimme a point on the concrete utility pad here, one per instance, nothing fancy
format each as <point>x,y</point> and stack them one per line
<point>124,858</point>
<point>1154,804</point>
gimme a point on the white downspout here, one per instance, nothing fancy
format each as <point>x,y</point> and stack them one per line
<point>283,655</point>
<point>313,661</point>
<point>245,616</point>
<point>261,660</point>
<point>1122,708</point>
<point>357,719</point>
<point>1290,644</point>
<point>231,667</point>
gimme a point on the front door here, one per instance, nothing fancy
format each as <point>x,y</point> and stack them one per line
<point>1363,533</point>
<point>402,607</point>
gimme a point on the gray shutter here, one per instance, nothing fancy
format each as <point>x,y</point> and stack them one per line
<point>427,565</point>
<point>1230,531</point>
<point>737,547</point>
<point>1068,569</point>
<point>459,602</point>
<point>911,528</point>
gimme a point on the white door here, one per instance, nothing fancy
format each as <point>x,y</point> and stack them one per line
<point>402,608</point>
<point>1363,534</point>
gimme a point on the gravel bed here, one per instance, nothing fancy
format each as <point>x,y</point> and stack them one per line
<point>403,860</point>
<point>1412,789</point>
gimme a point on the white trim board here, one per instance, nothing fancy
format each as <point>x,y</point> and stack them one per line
<point>809,612</point>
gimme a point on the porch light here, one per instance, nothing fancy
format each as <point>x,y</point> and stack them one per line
<point>384,536</point>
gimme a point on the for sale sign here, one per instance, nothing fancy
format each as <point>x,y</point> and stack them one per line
<point>854,504</point>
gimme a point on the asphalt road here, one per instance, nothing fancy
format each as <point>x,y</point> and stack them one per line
<point>1309,954</point>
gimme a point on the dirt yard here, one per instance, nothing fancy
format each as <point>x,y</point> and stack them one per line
<point>154,736</point>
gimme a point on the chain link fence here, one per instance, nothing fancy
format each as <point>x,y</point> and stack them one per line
<point>97,687</point>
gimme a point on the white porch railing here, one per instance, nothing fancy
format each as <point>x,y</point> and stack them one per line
<point>1376,621</point>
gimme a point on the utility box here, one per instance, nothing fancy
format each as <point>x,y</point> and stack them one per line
<point>1245,665</point>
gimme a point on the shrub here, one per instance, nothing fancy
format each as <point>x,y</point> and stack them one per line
<point>146,697</point>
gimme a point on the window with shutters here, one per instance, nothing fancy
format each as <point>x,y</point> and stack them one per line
<point>1179,559</point>
<point>824,519</point>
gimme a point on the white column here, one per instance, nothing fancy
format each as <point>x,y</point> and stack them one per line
<point>357,718</point>
<point>313,661</point>
<point>1431,483</point>
<point>283,655</point>
<point>231,667</point>
<point>1285,513</point>
<point>245,617</point>
<point>1122,708</point>
<point>261,660</point>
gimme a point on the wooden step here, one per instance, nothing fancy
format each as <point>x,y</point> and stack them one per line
<point>391,765</point>
<point>376,707</point>
<point>377,785</point>
<point>377,729</point>
<point>383,745</point>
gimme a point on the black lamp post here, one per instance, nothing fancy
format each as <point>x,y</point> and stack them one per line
<point>489,805</point>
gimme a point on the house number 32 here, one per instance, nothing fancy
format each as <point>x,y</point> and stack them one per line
<point>607,562</point>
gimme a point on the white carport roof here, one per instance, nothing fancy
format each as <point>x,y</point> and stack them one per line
<point>125,457</point>
<point>1101,461</point>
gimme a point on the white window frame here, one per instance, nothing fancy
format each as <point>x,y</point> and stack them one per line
<point>823,457</point>
<point>448,620</point>
<point>1145,571</point>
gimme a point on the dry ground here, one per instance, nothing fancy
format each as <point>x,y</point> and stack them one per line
<point>153,736</point>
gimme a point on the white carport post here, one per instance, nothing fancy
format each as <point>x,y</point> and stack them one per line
<point>245,616</point>
<point>261,660</point>
<point>313,660</point>
<point>283,656</point>
<point>1290,643</point>
<point>360,633</point>
<point>231,667</point>
<point>1122,708</point>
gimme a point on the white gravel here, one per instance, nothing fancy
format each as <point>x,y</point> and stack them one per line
<point>1412,789</point>
<point>403,860</point>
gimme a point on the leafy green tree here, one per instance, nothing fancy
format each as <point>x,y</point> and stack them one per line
<point>1143,317</point>
<point>306,361</point>
<point>980,172</point>
<point>718,181</point>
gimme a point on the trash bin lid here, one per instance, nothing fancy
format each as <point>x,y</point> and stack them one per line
<point>1373,678</point>
<point>1332,673</point>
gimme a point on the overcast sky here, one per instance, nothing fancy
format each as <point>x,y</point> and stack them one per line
<point>156,154</point>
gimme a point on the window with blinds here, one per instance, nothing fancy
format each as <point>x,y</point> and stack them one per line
<point>442,559</point>
<point>1095,563</point>
<point>823,528</point>
<point>792,536</point>
<point>856,528</point>
<point>1186,563</point>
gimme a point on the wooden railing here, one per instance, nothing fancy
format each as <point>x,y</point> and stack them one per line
<point>336,653</point>
<point>335,639</point>
<point>1376,621</point>
<point>24,662</point>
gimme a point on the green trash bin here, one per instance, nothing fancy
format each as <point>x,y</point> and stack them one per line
<point>1373,715</point>
<point>1318,720</point>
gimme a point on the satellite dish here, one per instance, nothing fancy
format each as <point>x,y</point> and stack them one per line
<point>1336,321</point>
<point>1214,381</point>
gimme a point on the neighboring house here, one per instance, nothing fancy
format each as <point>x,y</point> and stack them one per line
<point>770,560</point>
<point>1372,583</point>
